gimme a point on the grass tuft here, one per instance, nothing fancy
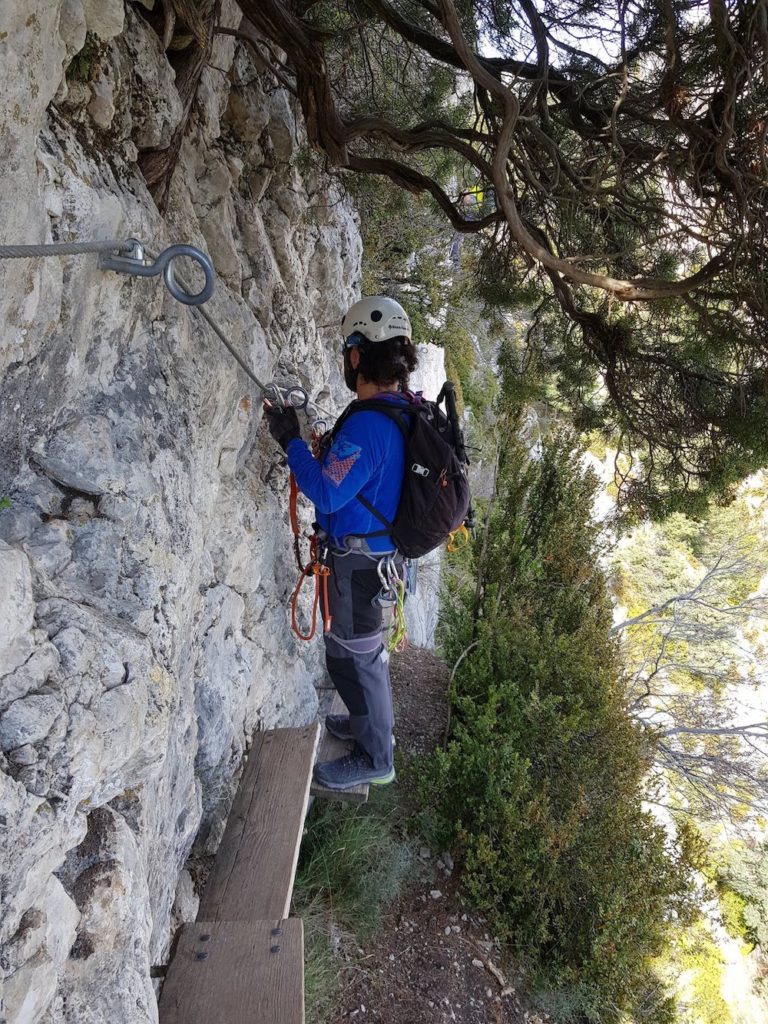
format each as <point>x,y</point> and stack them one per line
<point>353,862</point>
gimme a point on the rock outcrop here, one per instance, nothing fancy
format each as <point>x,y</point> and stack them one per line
<point>145,562</point>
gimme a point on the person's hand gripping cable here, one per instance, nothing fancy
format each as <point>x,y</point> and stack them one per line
<point>283,422</point>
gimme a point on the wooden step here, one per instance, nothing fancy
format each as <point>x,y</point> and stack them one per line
<point>236,972</point>
<point>329,749</point>
<point>253,873</point>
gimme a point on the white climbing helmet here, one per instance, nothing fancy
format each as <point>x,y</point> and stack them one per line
<point>377,318</point>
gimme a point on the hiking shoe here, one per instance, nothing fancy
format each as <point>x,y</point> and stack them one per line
<point>338,726</point>
<point>352,770</point>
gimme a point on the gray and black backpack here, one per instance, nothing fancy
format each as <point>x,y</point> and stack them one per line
<point>435,498</point>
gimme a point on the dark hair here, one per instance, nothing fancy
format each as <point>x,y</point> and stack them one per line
<point>387,362</point>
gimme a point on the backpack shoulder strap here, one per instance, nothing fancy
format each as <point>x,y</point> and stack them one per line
<point>374,512</point>
<point>350,409</point>
<point>394,412</point>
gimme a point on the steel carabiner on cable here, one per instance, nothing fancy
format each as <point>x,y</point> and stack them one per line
<point>133,259</point>
<point>294,396</point>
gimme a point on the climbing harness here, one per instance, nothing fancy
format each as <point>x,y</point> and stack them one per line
<point>129,257</point>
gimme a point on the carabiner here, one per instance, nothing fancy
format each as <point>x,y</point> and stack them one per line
<point>382,569</point>
<point>293,396</point>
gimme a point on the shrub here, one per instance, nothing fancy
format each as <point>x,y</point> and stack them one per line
<point>702,962</point>
<point>732,908</point>
<point>540,789</point>
<point>746,877</point>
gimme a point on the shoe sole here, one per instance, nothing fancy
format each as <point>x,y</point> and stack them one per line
<point>340,735</point>
<point>384,781</point>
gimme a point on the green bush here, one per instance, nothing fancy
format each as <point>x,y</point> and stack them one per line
<point>746,877</point>
<point>732,908</point>
<point>540,789</point>
<point>702,961</point>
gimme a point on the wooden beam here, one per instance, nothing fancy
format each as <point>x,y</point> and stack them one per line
<point>255,865</point>
<point>236,972</point>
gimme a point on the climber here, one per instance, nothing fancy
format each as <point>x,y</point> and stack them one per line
<point>365,457</point>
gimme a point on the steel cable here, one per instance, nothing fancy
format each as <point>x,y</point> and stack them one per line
<point>18,252</point>
<point>114,245</point>
<point>264,388</point>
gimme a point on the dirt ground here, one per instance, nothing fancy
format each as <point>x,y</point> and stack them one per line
<point>433,961</point>
<point>420,695</point>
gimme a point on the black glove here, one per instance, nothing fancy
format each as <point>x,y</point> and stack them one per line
<point>283,423</point>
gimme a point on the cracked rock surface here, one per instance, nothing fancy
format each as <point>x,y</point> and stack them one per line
<point>145,558</point>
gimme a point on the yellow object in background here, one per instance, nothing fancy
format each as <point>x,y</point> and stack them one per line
<point>458,539</point>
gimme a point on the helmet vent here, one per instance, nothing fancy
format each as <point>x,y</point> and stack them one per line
<point>376,315</point>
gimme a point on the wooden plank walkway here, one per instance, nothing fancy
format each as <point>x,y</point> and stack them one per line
<point>330,748</point>
<point>242,962</point>
<point>252,876</point>
<point>236,972</point>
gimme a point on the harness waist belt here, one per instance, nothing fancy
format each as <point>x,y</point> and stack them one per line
<point>359,644</point>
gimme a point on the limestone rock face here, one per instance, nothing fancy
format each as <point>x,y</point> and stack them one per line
<point>145,556</point>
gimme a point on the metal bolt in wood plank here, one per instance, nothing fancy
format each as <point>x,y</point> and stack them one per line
<point>236,972</point>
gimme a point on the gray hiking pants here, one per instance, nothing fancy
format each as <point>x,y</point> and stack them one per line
<point>355,656</point>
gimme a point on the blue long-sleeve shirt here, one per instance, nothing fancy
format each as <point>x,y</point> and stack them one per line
<point>367,457</point>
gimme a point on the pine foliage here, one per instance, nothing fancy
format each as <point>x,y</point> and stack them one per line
<point>540,787</point>
<point>610,163</point>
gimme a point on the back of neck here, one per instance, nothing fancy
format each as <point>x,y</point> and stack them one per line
<point>366,390</point>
